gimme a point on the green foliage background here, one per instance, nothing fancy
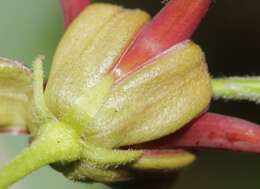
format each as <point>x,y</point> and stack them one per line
<point>230,35</point>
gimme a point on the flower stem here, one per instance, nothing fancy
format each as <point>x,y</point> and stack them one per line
<point>237,88</point>
<point>57,142</point>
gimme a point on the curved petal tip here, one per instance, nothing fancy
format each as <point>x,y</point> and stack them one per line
<point>72,8</point>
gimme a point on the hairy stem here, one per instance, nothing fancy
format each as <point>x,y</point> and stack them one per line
<point>237,88</point>
<point>54,140</point>
<point>57,142</point>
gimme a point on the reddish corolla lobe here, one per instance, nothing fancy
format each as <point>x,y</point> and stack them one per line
<point>164,152</point>
<point>213,131</point>
<point>72,8</point>
<point>14,130</point>
<point>174,23</point>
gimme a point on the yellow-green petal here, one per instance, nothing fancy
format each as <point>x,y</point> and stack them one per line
<point>156,100</point>
<point>92,44</point>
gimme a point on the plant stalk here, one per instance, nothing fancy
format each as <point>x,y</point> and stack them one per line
<point>237,88</point>
<point>57,143</point>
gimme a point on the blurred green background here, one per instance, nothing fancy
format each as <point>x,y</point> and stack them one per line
<point>230,37</point>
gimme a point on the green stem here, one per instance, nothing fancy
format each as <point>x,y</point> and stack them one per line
<point>237,88</point>
<point>57,142</point>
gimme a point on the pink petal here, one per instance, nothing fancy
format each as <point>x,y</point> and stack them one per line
<point>173,24</point>
<point>155,152</point>
<point>213,131</point>
<point>14,130</point>
<point>72,8</point>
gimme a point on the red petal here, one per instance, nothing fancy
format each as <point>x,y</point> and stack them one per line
<point>14,130</point>
<point>72,8</point>
<point>214,131</point>
<point>160,152</point>
<point>173,24</point>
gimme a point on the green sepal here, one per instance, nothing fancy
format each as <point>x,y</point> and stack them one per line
<point>41,113</point>
<point>85,107</point>
<point>86,171</point>
<point>163,160</point>
<point>106,158</point>
<point>15,93</point>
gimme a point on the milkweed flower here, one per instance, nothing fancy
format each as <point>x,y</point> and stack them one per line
<point>125,94</point>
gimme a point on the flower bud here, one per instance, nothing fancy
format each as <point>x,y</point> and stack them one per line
<point>86,115</point>
<point>120,89</point>
<point>154,100</point>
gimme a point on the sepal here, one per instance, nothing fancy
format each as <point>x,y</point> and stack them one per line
<point>15,94</point>
<point>163,160</point>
